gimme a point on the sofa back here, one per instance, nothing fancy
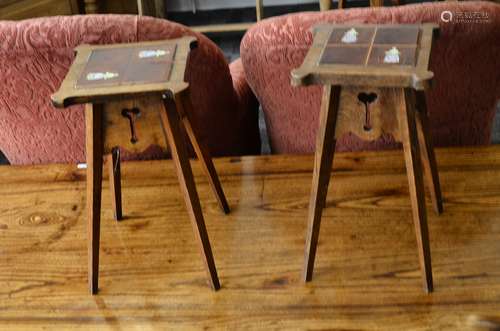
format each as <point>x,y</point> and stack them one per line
<point>35,56</point>
<point>465,61</point>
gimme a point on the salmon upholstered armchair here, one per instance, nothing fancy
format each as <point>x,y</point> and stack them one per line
<point>35,56</point>
<point>465,61</point>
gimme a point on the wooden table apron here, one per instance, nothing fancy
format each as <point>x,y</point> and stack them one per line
<point>371,101</point>
<point>135,117</point>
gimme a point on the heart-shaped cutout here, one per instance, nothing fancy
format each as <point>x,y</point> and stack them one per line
<point>367,98</point>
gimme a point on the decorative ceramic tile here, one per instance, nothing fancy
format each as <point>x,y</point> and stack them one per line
<point>127,66</point>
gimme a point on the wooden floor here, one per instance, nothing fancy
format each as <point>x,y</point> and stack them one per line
<point>366,277</point>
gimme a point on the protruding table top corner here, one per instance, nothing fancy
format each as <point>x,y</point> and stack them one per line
<point>384,55</point>
<point>123,71</point>
<point>298,77</point>
<point>58,100</point>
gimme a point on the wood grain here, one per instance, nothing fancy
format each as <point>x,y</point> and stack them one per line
<point>122,123</point>
<point>411,148</point>
<point>185,107</point>
<point>23,9</point>
<point>484,323</point>
<point>115,186</point>
<point>68,94</point>
<point>313,71</point>
<point>171,122</point>
<point>221,28</point>
<point>383,112</point>
<point>366,275</point>
<point>94,154</point>
<point>325,150</point>
<point>147,125</point>
<point>427,155</point>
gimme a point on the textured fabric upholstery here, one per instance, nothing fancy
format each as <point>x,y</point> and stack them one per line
<point>465,61</point>
<point>35,56</point>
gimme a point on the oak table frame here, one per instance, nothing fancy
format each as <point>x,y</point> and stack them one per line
<point>111,122</point>
<point>372,98</point>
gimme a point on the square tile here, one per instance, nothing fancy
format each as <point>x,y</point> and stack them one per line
<point>378,56</point>
<point>345,55</point>
<point>396,35</point>
<point>364,35</point>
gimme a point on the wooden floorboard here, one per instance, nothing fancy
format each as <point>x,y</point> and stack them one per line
<point>366,277</point>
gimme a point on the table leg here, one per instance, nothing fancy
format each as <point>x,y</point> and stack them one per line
<point>185,107</point>
<point>409,137</point>
<point>115,186</point>
<point>94,148</point>
<point>427,153</point>
<point>325,149</point>
<point>171,126</point>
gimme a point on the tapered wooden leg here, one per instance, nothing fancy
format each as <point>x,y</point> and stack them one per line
<point>115,186</point>
<point>427,153</point>
<point>184,107</point>
<point>325,149</point>
<point>409,139</point>
<point>171,126</point>
<point>94,147</point>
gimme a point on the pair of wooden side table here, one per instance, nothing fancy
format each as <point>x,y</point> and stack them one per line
<point>373,76</point>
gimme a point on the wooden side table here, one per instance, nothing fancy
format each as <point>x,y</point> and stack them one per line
<point>374,77</point>
<point>135,94</point>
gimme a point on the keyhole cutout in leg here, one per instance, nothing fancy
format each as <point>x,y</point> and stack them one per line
<point>367,99</point>
<point>132,115</point>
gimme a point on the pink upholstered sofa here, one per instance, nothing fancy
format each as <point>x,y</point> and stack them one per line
<point>36,54</point>
<point>465,60</point>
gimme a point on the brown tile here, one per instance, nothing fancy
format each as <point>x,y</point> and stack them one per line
<point>397,35</point>
<point>344,55</point>
<point>406,56</point>
<point>130,67</point>
<point>364,36</point>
